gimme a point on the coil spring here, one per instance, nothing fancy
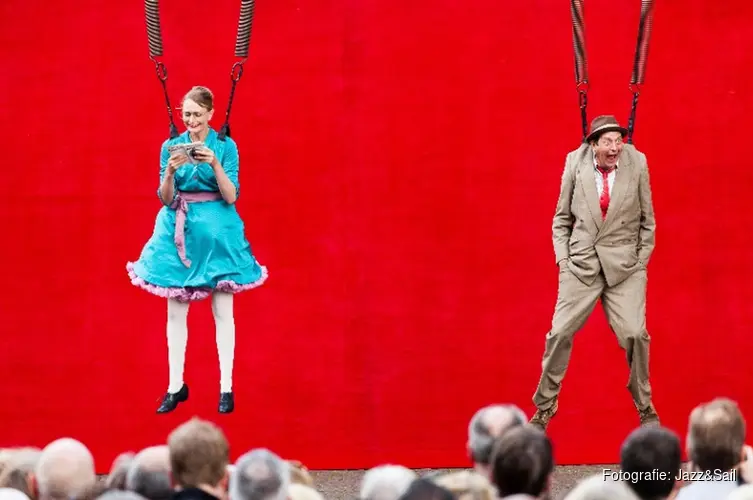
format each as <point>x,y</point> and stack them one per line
<point>579,41</point>
<point>153,29</point>
<point>644,35</point>
<point>245,19</point>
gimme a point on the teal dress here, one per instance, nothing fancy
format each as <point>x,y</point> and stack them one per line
<point>213,254</point>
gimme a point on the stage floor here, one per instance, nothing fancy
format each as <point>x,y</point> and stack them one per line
<point>343,485</point>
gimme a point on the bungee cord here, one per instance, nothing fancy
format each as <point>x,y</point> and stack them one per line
<point>156,50</point>
<point>581,61</point>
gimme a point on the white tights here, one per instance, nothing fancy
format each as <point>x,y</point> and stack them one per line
<point>177,339</point>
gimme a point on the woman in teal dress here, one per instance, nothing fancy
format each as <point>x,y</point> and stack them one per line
<point>198,248</point>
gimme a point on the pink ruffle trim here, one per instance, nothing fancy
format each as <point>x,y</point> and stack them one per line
<point>193,294</point>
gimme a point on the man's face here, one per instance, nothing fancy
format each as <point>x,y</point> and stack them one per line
<point>608,148</point>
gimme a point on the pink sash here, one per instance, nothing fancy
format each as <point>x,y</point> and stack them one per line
<point>180,205</point>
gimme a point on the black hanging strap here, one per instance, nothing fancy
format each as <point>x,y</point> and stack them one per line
<point>581,65</point>
<point>242,42</point>
<point>639,63</point>
<point>154,35</point>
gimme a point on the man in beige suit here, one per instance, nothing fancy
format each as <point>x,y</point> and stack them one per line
<point>603,234</point>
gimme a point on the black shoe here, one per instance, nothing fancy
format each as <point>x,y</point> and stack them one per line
<point>227,403</point>
<point>171,400</point>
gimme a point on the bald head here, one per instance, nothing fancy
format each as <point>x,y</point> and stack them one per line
<point>487,424</point>
<point>149,473</point>
<point>12,494</point>
<point>153,458</point>
<point>65,470</point>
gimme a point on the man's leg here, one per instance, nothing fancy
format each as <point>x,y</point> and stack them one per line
<point>575,303</point>
<point>625,308</point>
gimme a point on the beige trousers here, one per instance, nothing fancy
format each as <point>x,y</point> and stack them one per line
<point>625,308</point>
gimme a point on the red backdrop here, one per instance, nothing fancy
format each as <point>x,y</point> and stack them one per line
<point>400,166</point>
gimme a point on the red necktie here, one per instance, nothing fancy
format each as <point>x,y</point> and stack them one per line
<point>604,199</point>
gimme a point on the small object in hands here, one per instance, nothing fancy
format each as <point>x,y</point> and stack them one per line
<point>190,150</point>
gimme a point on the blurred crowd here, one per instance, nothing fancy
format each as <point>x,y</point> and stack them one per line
<point>510,458</point>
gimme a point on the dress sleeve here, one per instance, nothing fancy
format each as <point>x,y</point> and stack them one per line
<point>164,156</point>
<point>230,164</point>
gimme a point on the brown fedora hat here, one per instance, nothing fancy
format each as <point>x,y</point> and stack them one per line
<point>605,123</point>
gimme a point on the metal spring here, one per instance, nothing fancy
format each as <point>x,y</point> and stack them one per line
<point>243,38</point>
<point>153,29</point>
<point>579,41</point>
<point>644,35</point>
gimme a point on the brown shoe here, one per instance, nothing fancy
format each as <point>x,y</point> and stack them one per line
<point>542,417</point>
<point>649,416</point>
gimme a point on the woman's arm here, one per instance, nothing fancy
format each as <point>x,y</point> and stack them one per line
<point>225,172</point>
<point>227,188</point>
<point>167,188</point>
<point>167,168</point>
<point>167,173</point>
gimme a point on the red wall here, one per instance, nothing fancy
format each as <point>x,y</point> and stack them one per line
<point>400,166</point>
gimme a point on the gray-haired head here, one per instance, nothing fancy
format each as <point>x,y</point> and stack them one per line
<point>487,424</point>
<point>65,470</point>
<point>149,473</point>
<point>599,487</point>
<point>120,495</point>
<point>386,482</point>
<point>260,475</point>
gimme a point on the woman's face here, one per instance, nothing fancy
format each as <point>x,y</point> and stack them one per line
<point>195,117</point>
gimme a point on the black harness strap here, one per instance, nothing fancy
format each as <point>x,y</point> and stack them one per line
<point>242,42</point>
<point>154,34</point>
<point>581,65</point>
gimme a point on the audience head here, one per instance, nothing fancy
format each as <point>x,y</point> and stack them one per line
<point>12,494</point>
<point>64,471</point>
<point>522,462</point>
<point>744,492</point>
<point>485,426</point>
<point>149,473</point>
<point>650,460</point>
<point>116,494</point>
<point>260,475</point>
<point>512,460</point>
<point>466,485</point>
<point>716,435</point>
<point>426,489</point>
<point>5,455</point>
<point>597,487</point>
<point>19,470</point>
<point>386,482</point>
<point>116,479</point>
<point>199,455</point>
<point>300,474</point>
<point>297,491</point>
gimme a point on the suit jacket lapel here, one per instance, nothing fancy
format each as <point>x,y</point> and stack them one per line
<point>621,183</point>
<point>588,181</point>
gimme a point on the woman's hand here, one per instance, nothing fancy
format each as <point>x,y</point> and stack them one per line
<point>206,155</point>
<point>175,162</point>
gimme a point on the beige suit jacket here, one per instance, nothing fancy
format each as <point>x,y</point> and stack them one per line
<point>619,245</point>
